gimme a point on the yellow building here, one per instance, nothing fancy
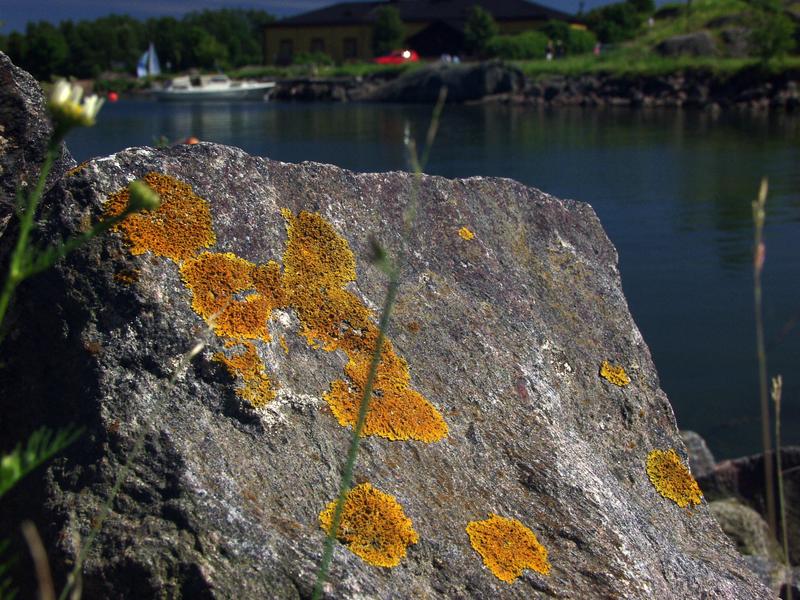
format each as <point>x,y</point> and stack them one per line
<point>433,27</point>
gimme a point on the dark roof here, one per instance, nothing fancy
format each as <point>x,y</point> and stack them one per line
<point>424,10</point>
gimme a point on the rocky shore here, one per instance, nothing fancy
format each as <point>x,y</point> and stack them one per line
<point>752,89</point>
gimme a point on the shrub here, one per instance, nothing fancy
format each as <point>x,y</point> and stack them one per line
<point>580,41</point>
<point>479,31</point>
<point>388,32</point>
<point>312,58</point>
<point>528,45</point>
<point>773,32</point>
<point>614,23</point>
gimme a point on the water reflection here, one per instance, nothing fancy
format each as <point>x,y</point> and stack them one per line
<point>673,189</point>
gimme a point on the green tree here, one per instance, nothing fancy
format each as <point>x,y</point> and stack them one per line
<point>643,7</point>
<point>523,46</point>
<point>479,29</point>
<point>773,31</point>
<point>388,32</point>
<point>614,23</point>
<point>46,50</point>
<point>207,51</point>
<point>17,48</point>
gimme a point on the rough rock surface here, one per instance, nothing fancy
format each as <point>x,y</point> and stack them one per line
<point>504,333</point>
<point>464,82</point>
<point>24,132</point>
<point>743,478</point>
<point>700,43</point>
<point>748,529</point>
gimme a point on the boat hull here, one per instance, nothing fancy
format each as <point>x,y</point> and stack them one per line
<point>192,95</point>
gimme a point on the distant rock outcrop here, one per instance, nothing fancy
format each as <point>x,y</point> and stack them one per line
<point>699,43</point>
<point>464,83</point>
<point>519,447</point>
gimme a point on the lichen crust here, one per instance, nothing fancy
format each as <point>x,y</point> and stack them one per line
<point>256,386</point>
<point>672,479</point>
<point>178,229</point>
<point>317,264</point>
<point>235,296</point>
<point>465,234</point>
<point>614,374</point>
<point>507,547</point>
<point>373,526</point>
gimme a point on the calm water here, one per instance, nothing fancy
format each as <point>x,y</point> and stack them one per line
<point>673,190</point>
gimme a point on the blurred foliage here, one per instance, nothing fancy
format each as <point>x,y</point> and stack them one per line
<point>523,46</point>
<point>773,30</point>
<point>84,49</point>
<point>388,32</point>
<point>479,30</point>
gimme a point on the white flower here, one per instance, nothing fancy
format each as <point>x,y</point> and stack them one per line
<point>67,109</point>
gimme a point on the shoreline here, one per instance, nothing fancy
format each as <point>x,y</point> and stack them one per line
<point>750,89</point>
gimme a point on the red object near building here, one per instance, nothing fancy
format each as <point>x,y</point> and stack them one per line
<point>397,57</point>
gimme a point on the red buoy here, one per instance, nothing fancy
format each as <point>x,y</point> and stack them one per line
<point>191,140</point>
<point>113,96</point>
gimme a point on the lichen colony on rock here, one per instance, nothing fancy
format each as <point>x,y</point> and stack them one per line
<point>507,547</point>
<point>236,297</point>
<point>672,478</point>
<point>373,526</point>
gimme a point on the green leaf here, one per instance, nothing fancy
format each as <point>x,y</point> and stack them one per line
<point>41,446</point>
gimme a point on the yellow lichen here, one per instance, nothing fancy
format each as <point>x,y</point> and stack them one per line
<point>233,294</point>
<point>614,374</point>
<point>177,229</point>
<point>284,345</point>
<point>373,526</point>
<point>672,478</point>
<point>256,385</point>
<point>507,547</point>
<point>127,276</point>
<point>465,234</point>
<point>76,169</point>
<point>318,263</point>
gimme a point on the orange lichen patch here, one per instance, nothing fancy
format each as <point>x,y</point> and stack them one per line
<point>614,374</point>
<point>507,547</point>
<point>318,263</point>
<point>284,345</point>
<point>177,229</point>
<point>672,479</point>
<point>233,294</point>
<point>396,411</point>
<point>465,234</point>
<point>257,387</point>
<point>373,526</point>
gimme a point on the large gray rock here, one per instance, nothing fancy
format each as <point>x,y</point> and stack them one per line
<point>699,43</point>
<point>464,82</point>
<point>743,478</point>
<point>24,133</point>
<point>503,333</point>
<point>701,460</point>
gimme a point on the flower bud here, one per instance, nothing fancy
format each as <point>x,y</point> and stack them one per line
<point>142,197</point>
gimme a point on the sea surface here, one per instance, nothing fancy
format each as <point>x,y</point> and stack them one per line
<point>673,190</point>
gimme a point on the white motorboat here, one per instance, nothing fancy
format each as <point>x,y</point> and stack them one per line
<point>213,87</point>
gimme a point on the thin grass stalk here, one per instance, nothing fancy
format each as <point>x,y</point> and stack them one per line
<point>777,392</point>
<point>766,435</point>
<point>21,254</point>
<point>383,261</point>
<point>347,474</point>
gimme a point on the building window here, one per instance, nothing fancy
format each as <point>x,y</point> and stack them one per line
<point>285,51</point>
<point>317,45</point>
<point>350,48</point>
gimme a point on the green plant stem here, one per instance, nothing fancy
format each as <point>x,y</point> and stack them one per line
<point>777,389</point>
<point>347,474</point>
<point>766,437</point>
<point>21,254</point>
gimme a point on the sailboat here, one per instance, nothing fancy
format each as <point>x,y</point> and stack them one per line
<point>148,63</point>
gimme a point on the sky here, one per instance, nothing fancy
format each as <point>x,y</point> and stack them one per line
<point>16,13</point>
